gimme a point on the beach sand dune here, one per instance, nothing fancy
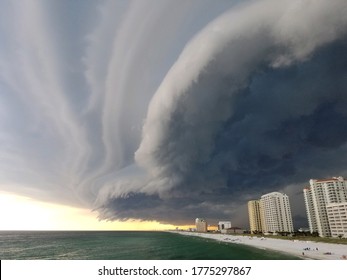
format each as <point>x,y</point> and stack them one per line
<point>303,249</point>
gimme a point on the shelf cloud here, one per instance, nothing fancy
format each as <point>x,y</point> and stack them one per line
<point>164,111</point>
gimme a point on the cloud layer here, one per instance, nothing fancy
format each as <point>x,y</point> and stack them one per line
<point>166,112</point>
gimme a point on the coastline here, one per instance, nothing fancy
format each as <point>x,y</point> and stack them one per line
<point>303,249</point>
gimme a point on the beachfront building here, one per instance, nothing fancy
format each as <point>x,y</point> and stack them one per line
<point>224,225</point>
<point>233,230</point>
<point>318,196</point>
<point>337,217</point>
<point>275,213</point>
<point>201,225</point>
<point>254,216</point>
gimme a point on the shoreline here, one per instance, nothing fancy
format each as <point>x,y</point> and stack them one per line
<point>302,249</point>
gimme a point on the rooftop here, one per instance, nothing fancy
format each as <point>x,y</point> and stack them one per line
<point>329,179</point>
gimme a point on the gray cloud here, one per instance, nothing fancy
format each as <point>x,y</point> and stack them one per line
<point>166,112</point>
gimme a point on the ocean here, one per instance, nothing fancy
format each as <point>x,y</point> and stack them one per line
<point>123,245</point>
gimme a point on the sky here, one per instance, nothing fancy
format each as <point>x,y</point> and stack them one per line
<point>143,114</point>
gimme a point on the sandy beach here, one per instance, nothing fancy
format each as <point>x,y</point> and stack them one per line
<point>302,249</point>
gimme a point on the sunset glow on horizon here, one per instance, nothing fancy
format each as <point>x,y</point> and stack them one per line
<point>24,213</point>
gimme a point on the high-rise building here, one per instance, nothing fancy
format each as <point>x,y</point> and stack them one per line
<point>254,216</point>
<point>201,225</point>
<point>318,196</point>
<point>224,225</point>
<point>337,216</point>
<point>276,213</point>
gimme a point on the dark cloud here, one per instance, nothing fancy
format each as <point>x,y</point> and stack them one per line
<point>283,121</point>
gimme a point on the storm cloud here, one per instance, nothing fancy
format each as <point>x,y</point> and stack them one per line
<point>171,111</point>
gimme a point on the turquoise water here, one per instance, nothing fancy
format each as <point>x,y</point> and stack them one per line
<point>123,245</point>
